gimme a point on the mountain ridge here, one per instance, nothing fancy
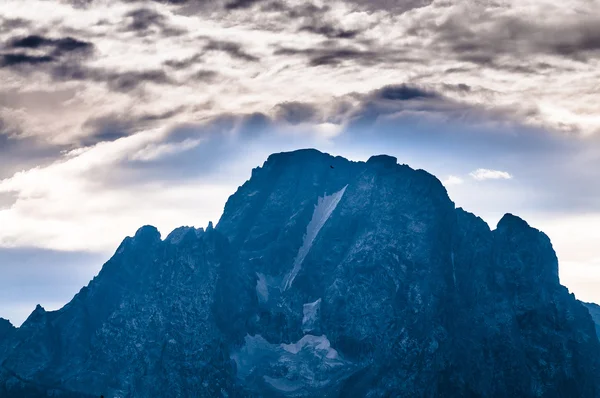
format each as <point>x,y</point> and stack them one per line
<point>359,280</point>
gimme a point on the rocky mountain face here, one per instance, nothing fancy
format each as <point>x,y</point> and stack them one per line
<point>327,278</point>
<point>595,313</point>
<point>6,328</point>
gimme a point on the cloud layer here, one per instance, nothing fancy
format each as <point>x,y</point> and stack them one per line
<point>115,114</point>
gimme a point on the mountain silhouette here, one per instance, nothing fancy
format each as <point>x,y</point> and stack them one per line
<point>362,280</point>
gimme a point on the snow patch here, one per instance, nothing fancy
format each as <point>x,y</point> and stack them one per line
<point>298,369</point>
<point>311,315</point>
<point>323,209</point>
<point>262,290</point>
<point>319,345</point>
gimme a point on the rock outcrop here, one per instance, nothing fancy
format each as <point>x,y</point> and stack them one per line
<point>323,277</point>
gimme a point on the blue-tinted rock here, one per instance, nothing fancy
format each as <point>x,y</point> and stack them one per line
<point>323,277</point>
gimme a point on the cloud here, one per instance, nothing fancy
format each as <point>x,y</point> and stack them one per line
<point>396,7</point>
<point>119,81</point>
<point>52,50</point>
<point>14,59</point>
<point>10,24</point>
<point>484,35</point>
<point>332,56</point>
<point>147,21</point>
<point>452,180</point>
<point>127,81</point>
<point>233,49</point>
<point>486,174</point>
<point>330,32</point>
<point>404,92</point>
<point>295,112</point>
<point>184,63</point>
<point>176,101</point>
<point>58,46</point>
<point>237,4</point>
<point>154,152</point>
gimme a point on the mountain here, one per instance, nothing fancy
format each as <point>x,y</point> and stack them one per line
<point>323,277</point>
<point>6,328</point>
<point>595,313</point>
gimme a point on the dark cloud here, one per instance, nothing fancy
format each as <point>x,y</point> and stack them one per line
<point>306,10</point>
<point>112,127</point>
<point>330,31</point>
<point>233,49</point>
<point>30,42</point>
<point>237,4</point>
<point>106,128</point>
<point>145,20</point>
<point>393,6</point>
<point>66,44</point>
<point>184,63</point>
<point>8,24</point>
<point>15,59</point>
<point>150,117</point>
<point>404,92</point>
<point>461,87</point>
<point>311,18</point>
<point>296,112</point>
<point>410,109</point>
<point>127,81</point>
<point>254,125</point>
<point>488,37</point>
<point>19,50</point>
<point>124,81</point>
<point>332,56</point>
<point>335,57</point>
<point>56,47</point>
<point>205,75</point>
<point>69,44</point>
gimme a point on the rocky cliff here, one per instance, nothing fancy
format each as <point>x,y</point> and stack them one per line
<point>595,313</point>
<point>324,277</point>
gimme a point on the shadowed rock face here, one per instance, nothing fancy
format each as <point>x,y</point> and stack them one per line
<point>595,313</point>
<point>6,328</point>
<point>358,280</point>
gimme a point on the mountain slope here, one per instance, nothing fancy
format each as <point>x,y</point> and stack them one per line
<point>143,326</point>
<point>595,313</point>
<point>360,279</point>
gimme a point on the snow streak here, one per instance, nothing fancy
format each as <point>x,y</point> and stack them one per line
<point>325,206</point>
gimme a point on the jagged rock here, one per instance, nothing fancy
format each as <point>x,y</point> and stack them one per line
<point>6,328</point>
<point>323,277</point>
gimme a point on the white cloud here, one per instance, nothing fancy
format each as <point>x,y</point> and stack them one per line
<point>157,151</point>
<point>452,180</point>
<point>487,174</point>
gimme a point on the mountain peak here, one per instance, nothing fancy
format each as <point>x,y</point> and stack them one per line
<point>6,327</point>
<point>511,221</point>
<point>349,273</point>
<point>147,233</point>
<point>385,160</point>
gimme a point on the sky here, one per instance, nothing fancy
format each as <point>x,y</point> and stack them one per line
<point>120,113</point>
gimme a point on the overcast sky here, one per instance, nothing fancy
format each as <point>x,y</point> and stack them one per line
<point>120,113</point>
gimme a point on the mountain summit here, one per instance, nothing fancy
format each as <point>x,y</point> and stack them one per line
<point>323,277</point>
